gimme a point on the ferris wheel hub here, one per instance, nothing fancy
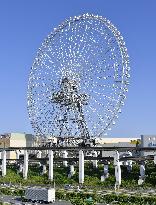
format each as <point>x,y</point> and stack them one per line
<point>69,94</point>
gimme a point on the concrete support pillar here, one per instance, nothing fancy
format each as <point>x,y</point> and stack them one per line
<point>155,159</point>
<point>117,164</point>
<point>3,163</point>
<point>129,163</point>
<point>72,171</point>
<point>21,168</point>
<point>51,165</point>
<point>105,173</point>
<point>17,154</point>
<point>118,174</point>
<point>25,166</point>
<point>95,165</point>
<point>39,155</point>
<point>17,161</point>
<point>142,171</point>
<point>105,170</point>
<point>142,174</point>
<point>44,169</point>
<point>81,167</point>
<point>65,154</point>
<point>129,166</point>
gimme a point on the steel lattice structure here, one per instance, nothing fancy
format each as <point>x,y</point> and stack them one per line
<point>79,78</point>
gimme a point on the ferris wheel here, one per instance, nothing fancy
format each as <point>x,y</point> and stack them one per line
<point>79,78</point>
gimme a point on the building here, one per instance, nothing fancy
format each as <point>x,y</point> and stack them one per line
<point>16,140</point>
<point>116,142</point>
<point>148,141</point>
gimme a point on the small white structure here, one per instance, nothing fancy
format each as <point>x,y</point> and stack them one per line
<point>81,167</point>
<point>40,194</point>
<point>102,178</point>
<point>140,182</point>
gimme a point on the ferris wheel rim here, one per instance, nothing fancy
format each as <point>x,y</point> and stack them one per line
<point>119,40</point>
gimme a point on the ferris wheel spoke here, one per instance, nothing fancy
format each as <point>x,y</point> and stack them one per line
<point>98,115</point>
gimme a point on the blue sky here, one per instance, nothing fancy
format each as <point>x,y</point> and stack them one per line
<point>24,25</point>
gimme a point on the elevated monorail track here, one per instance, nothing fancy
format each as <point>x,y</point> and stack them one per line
<point>81,148</point>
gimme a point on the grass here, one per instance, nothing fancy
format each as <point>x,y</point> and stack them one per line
<point>92,176</point>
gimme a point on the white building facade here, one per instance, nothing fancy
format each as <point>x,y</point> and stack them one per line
<point>16,140</point>
<point>148,141</point>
